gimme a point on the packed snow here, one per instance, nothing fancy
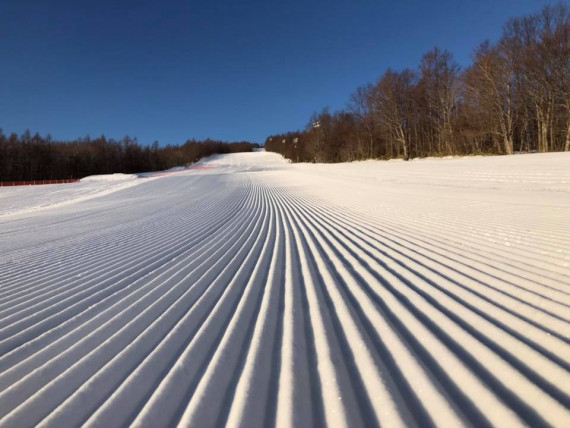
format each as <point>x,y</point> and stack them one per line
<point>109,177</point>
<point>250,291</point>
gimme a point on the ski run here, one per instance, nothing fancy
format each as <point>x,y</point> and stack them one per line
<point>247,291</point>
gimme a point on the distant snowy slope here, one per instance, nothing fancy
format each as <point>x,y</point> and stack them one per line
<point>249,291</point>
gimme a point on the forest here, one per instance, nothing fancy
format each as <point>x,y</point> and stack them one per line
<point>513,97</point>
<point>33,157</point>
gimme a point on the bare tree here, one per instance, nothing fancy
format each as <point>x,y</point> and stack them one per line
<point>555,49</point>
<point>361,104</point>
<point>489,83</point>
<point>439,75</point>
<point>393,100</point>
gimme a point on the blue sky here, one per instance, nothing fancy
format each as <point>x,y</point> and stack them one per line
<point>232,70</point>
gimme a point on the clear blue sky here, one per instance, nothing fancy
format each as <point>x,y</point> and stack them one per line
<point>169,70</point>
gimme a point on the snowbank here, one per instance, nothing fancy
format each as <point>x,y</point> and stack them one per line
<point>109,177</point>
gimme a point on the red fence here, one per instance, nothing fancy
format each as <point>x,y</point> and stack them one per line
<point>36,182</point>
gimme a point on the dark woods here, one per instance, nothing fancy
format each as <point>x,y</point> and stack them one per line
<point>514,97</point>
<point>27,157</point>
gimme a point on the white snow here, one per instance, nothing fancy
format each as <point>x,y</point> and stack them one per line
<point>109,177</point>
<point>245,290</point>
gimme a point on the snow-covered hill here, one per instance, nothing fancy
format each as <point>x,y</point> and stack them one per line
<point>249,291</point>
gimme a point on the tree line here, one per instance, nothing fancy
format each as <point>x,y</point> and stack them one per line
<point>514,97</point>
<point>29,157</point>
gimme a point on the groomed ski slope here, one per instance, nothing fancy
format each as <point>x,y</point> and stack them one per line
<point>249,291</point>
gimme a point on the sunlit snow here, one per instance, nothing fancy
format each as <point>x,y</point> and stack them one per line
<point>248,290</point>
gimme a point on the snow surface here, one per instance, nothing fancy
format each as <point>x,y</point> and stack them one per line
<point>249,291</point>
<point>109,177</point>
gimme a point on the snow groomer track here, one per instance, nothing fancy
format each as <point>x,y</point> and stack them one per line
<point>252,292</point>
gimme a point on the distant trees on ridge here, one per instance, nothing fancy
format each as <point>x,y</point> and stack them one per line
<point>33,157</point>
